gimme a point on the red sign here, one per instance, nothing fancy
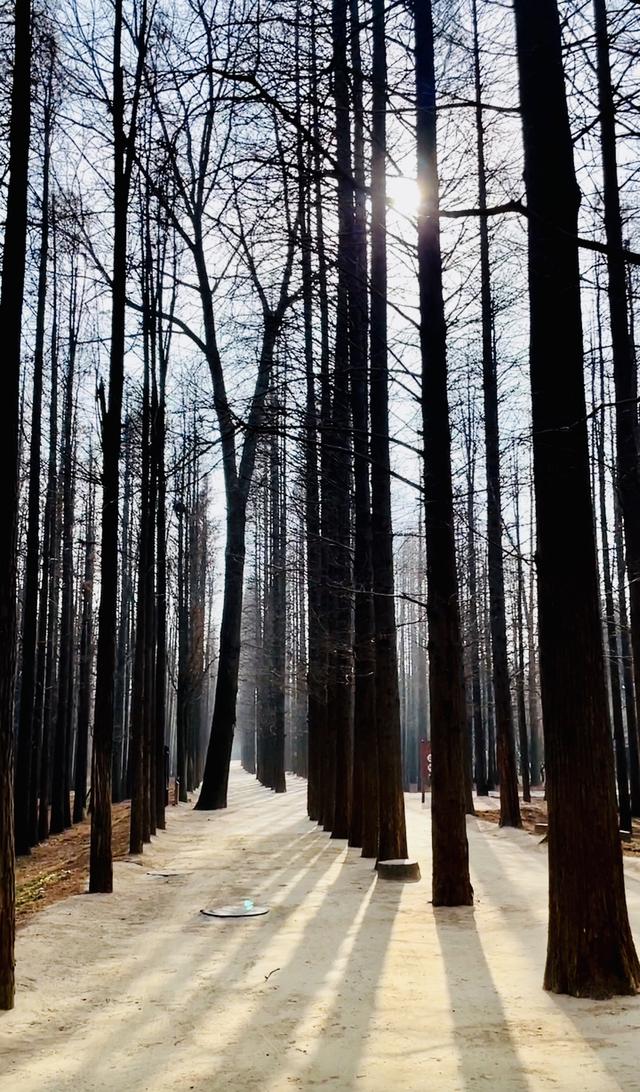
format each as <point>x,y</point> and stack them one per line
<point>425,764</point>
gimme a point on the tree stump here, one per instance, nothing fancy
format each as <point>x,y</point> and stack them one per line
<point>402,869</point>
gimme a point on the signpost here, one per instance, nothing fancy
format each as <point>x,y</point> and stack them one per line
<point>425,766</point>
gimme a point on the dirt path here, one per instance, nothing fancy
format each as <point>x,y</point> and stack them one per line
<point>347,984</point>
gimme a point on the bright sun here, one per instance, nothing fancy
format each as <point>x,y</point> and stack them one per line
<point>403,194</point>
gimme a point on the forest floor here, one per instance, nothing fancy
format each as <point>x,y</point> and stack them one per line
<point>534,815</point>
<point>58,867</point>
<point>349,983</point>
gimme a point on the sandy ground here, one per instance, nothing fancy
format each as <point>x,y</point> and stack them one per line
<point>348,983</point>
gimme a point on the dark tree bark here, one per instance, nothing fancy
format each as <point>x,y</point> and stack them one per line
<point>590,949</point>
<point>278,596</point>
<point>11,299</point>
<point>263,624</point>
<point>451,882</point>
<point>393,836</point>
<point>216,776</point>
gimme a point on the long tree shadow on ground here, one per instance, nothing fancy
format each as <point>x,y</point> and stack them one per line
<point>346,1026</point>
<point>485,1046</point>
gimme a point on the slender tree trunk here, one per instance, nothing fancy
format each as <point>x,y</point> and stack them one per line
<point>11,299</point>
<point>216,774</point>
<point>215,779</point>
<point>101,866</point>
<point>451,882</point>
<point>278,607</point>
<point>393,835</point>
<point>590,949</point>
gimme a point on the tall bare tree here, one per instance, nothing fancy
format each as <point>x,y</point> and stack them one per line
<point>590,949</point>
<point>11,300</point>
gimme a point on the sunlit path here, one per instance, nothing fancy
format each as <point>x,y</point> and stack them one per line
<point>347,984</point>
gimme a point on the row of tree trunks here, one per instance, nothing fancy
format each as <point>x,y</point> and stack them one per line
<point>355,758</point>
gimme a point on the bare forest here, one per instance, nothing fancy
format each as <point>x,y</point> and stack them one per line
<point>320,502</point>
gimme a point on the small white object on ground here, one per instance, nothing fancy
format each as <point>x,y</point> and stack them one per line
<point>243,911</point>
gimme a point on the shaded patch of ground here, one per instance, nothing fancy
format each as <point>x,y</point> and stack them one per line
<point>59,867</point>
<point>536,812</point>
<point>533,813</point>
